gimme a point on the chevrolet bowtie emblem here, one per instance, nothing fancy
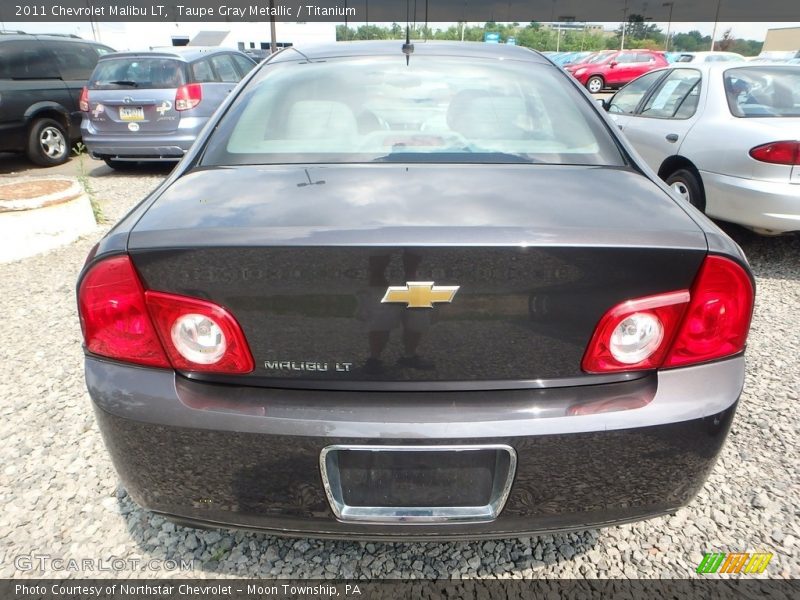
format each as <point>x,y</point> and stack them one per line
<point>420,294</point>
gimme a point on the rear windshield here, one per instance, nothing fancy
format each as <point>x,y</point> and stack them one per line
<point>763,91</point>
<point>138,72</point>
<point>432,110</point>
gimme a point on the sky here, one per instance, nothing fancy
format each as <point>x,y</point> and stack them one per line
<point>125,36</point>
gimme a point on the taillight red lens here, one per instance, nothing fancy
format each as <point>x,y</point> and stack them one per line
<point>652,322</point>
<point>718,318</point>
<point>678,328</point>
<point>779,153</point>
<point>199,335</point>
<point>188,96</point>
<point>114,317</point>
<point>83,104</point>
<point>121,320</point>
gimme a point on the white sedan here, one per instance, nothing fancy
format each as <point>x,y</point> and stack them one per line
<point>725,137</point>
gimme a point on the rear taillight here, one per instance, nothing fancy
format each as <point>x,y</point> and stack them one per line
<point>188,96</point>
<point>83,103</point>
<point>718,318</point>
<point>122,321</point>
<point>680,328</point>
<point>778,153</point>
<point>114,317</point>
<point>199,335</point>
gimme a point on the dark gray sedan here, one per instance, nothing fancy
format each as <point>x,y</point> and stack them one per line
<point>418,293</point>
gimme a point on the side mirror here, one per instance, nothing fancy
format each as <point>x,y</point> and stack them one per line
<point>613,64</point>
<point>603,104</point>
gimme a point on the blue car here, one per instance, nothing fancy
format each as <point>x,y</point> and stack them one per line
<point>150,106</point>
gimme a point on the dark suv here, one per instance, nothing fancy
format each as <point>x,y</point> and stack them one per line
<point>41,78</point>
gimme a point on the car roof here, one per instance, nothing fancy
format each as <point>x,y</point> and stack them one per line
<point>712,67</point>
<point>21,36</point>
<point>182,53</point>
<point>421,48</point>
<point>710,52</point>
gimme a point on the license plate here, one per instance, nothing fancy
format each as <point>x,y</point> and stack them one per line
<point>131,113</point>
<point>417,484</point>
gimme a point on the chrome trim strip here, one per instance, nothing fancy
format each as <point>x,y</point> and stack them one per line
<point>415,515</point>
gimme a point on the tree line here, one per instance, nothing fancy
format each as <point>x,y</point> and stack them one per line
<point>638,34</point>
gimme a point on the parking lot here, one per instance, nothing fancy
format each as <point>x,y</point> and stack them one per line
<point>62,499</point>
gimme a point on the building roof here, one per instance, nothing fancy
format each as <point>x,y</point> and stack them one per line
<point>209,38</point>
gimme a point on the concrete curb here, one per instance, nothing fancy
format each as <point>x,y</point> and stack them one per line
<point>32,225</point>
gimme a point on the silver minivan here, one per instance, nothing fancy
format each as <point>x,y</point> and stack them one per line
<point>150,106</point>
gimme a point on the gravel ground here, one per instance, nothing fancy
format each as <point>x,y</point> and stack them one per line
<point>61,497</point>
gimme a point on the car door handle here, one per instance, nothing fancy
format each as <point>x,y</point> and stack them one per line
<point>672,137</point>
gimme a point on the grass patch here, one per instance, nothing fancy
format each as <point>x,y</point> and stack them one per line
<point>80,152</point>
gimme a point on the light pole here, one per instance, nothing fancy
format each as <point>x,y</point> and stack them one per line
<point>624,25</point>
<point>273,44</point>
<point>714,32</point>
<point>669,23</point>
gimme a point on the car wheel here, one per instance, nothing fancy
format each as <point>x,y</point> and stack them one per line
<point>686,184</point>
<point>48,144</point>
<point>595,84</point>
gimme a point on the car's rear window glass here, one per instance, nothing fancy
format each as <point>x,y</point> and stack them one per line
<point>138,72</point>
<point>434,109</point>
<point>763,91</point>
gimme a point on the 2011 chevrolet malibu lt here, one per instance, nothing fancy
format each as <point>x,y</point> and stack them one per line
<point>413,291</point>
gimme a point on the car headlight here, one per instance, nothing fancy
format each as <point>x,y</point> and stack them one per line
<point>580,72</point>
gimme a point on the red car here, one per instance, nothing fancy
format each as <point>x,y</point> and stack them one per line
<point>615,69</point>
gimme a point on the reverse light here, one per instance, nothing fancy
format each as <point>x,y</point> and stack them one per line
<point>198,339</point>
<point>635,334</point>
<point>778,153</point>
<point>188,96</point>
<point>708,322</point>
<point>83,103</point>
<point>199,335</point>
<point>121,320</point>
<point>636,338</point>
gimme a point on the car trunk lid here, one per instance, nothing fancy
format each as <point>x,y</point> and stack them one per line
<point>304,256</point>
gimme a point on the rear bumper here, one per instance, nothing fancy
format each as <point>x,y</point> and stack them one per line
<point>246,457</point>
<point>752,202</point>
<point>141,146</point>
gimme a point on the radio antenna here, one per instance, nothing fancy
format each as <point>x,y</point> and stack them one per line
<point>408,47</point>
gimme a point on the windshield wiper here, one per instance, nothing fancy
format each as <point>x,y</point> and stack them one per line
<point>124,82</point>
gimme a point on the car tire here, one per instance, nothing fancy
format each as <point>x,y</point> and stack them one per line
<point>595,84</point>
<point>48,143</point>
<point>686,184</point>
